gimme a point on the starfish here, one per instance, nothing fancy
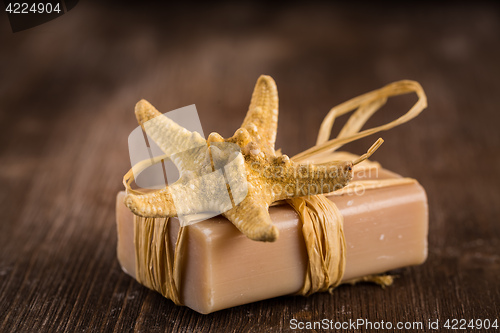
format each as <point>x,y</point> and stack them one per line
<point>270,176</point>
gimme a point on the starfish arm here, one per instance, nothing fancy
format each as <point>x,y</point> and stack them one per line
<point>187,149</point>
<point>191,194</point>
<point>252,218</point>
<point>154,204</point>
<point>261,120</point>
<point>304,179</point>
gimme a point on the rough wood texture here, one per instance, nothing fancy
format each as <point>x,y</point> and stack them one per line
<point>67,92</point>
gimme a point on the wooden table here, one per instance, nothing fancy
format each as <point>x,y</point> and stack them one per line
<point>67,92</point>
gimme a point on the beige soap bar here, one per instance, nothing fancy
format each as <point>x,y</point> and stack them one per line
<point>384,229</point>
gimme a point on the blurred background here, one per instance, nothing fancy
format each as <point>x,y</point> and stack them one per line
<point>67,93</point>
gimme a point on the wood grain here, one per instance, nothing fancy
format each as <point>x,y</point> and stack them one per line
<point>67,92</point>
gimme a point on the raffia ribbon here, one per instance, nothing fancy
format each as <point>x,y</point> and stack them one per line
<point>158,268</point>
<point>322,226</point>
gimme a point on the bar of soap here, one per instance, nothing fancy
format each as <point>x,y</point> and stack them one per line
<point>385,229</point>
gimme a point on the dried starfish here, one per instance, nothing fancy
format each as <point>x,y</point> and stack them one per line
<point>270,175</point>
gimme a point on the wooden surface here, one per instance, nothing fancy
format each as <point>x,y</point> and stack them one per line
<point>67,92</point>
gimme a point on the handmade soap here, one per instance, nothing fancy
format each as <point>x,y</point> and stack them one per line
<point>385,229</point>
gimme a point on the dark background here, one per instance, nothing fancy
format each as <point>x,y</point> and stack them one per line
<point>67,93</point>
